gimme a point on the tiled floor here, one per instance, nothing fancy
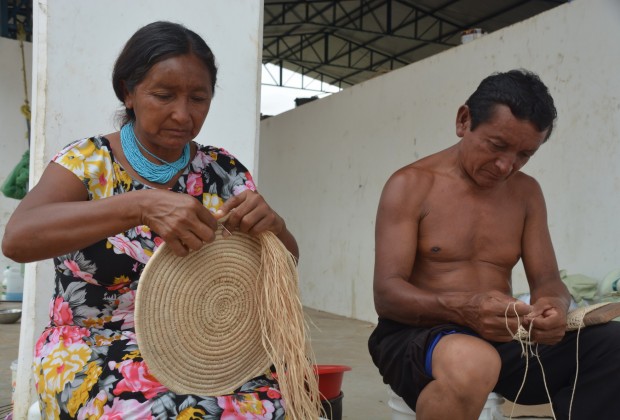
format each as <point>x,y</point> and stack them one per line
<point>335,340</point>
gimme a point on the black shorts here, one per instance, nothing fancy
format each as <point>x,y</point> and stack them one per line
<point>401,352</point>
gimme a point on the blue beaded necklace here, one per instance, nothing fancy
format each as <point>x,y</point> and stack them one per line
<point>160,174</point>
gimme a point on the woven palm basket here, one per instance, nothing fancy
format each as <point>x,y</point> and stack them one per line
<point>196,317</point>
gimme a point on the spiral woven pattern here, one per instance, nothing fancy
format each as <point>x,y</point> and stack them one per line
<point>196,317</point>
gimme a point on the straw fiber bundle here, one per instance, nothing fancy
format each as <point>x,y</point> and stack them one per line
<point>209,322</point>
<point>576,319</point>
<point>285,332</point>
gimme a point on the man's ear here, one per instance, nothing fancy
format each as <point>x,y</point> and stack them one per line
<point>463,121</point>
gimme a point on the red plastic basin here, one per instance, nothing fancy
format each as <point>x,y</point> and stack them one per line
<point>330,379</point>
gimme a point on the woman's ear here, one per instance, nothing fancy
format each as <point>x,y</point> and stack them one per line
<point>127,96</point>
<point>463,121</point>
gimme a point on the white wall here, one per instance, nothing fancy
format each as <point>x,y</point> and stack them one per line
<point>13,141</point>
<point>323,165</point>
<point>75,46</point>
<point>80,101</point>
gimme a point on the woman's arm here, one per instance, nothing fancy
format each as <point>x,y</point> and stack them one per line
<point>56,217</point>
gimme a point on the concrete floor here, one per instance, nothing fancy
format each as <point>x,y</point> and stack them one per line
<point>335,340</point>
<point>343,341</point>
<point>9,343</point>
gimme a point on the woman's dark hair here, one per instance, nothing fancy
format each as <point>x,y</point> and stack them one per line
<point>151,44</point>
<point>522,91</point>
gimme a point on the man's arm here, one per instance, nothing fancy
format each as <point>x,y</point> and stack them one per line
<point>47,221</point>
<point>396,233</point>
<point>400,211</point>
<point>549,296</point>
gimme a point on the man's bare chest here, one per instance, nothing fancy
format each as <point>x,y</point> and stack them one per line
<point>461,227</point>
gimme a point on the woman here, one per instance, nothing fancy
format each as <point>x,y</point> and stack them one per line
<point>102,207</point>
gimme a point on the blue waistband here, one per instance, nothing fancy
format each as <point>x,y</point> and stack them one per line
<point>428,365</point>
<point>428,362</point>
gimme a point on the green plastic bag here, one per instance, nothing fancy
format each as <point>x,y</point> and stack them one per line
<point>16,184</point>
<point>582,288</point>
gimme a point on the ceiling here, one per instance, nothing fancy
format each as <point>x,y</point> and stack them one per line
<point>343,43</point>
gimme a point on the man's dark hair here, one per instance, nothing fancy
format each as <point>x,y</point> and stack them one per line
<point>522,91</point>
<point>151,44</point>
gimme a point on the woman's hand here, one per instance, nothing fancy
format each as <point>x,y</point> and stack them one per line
<point>181,220</point>
<point>248,212</point>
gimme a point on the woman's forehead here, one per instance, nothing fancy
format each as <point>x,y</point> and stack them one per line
<point>181,69</point>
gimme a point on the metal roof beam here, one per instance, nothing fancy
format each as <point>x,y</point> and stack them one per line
<point>298,68</point>
<point>440,38</point>
<point>324,28</point>
<point>12,13</point>
<point>323,58</point>
<point>349,22</point>
<point>491,16</point>
<point>390,58</point>
<point>365,45</point>
<point>348,18</point>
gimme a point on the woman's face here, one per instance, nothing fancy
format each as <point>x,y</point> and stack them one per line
<point>171,104</point>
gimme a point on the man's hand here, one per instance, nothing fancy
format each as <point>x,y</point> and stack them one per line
<point>547,321</point>
<point>496,316</point>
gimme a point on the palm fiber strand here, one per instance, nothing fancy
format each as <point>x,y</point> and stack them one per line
<point>285,336</point>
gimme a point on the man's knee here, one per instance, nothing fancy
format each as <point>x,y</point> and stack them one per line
<point>463,360</point>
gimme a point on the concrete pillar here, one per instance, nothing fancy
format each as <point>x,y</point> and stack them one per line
<point>75,45</point>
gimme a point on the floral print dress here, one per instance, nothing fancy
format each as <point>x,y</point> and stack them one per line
<point>87,362</point>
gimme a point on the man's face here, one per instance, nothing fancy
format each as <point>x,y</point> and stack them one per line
<point>498,148</point>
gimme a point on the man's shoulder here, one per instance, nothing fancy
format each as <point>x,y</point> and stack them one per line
<point>524,182</point>
<point>425,172</point>
<point>412,175</point>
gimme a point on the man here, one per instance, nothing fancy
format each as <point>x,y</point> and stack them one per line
<point>450,228</point>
